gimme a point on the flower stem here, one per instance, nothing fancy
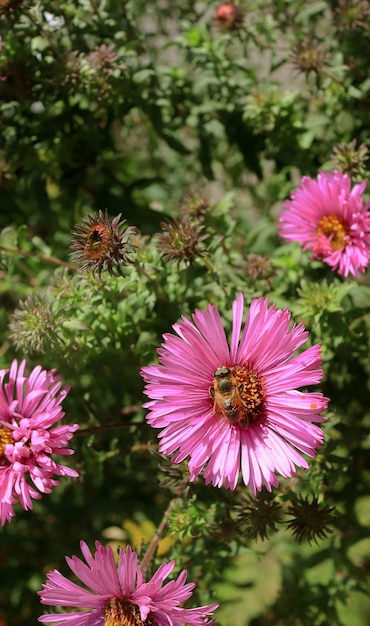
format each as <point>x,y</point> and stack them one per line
<point>141,270</point>
<point>102,427</point>
<point>159,532</point>
<point>44,257</point>
<point>332,76</point>
<point>209,265</point>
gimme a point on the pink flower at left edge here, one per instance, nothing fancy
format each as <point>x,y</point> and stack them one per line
<point>118,594</point>
<point>30,406</point>
<point>237,408</point>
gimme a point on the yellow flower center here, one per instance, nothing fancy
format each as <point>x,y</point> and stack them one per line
<point>335,229</point>
<point>6,436</point>
<point>121,613</point>
<point>238,395</point>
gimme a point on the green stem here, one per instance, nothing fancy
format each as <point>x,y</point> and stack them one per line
<point>162,526</point>
<point>332,76</point>
<point>129,410</point>
<point>141,270</point>
<point>44,257</point>
<point>209,265</point>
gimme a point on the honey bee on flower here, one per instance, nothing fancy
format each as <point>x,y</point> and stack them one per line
<point>237,409</point>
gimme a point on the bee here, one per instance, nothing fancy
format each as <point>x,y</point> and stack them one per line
<point>227,397</point>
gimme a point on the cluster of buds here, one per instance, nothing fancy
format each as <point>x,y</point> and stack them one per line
<point>350,160</point>
<point>34,325</point>
<point>95,69</point>
<point>181,240</point>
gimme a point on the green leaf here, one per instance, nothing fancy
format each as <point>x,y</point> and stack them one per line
<point>38,44</point>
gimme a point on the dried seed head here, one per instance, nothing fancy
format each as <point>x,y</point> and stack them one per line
<point>352,14</point>
<point>181,240</point>
<point>100,244</point>
<point>308,56</point>
<point>310,520</point>
<point>258,515</point>
<point>194,203</point>
<point>256,266</point>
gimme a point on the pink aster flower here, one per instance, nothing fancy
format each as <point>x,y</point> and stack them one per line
<point>237,408</point>
<point>331,219</point>
<point>29,408</point>
<point>117,594</point>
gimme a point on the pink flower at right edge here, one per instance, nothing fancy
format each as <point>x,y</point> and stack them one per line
<point>117,593</point>
<point>30,407</point>
<point>331,219</point>
<point>263,423</point>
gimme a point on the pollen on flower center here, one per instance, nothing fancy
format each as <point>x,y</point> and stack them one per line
<point>6,436</point>
<point>122,613</point>
<point>100,244</point>
<point>334,229</point>
<point>250,385</point>
<point>238,395</point>
<point>97,241</point>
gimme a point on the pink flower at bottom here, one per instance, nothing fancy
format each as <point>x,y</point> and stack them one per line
<point>331,219</point>
<point>237,408</point>
<point>29,408</point>
<point>116,594</point>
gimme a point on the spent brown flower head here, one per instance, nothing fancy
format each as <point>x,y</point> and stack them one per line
<point>349,159</point>
<point>257,266</point>
<point>181,240</point>
<point>258,515</point>
<point>229,16</point>
<point>352,15</point>
<point>194,203</point>
<point>308,56</point>
<point>310,519</point>
<point>100,244</point>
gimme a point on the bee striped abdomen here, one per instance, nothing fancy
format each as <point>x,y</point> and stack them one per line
<point>226,395</point>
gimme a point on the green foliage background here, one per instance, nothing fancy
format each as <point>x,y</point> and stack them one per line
<point>140,107</point>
